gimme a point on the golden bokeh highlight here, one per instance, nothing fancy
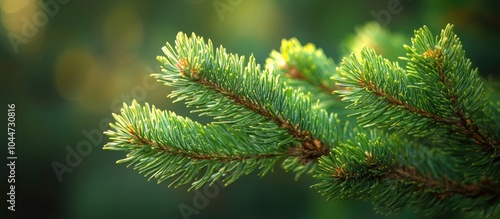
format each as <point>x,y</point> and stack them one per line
<point>75,73</point>
<point>107,87</point>
<point>12,6</point>
<point>259,19</point>
<point>123,31</point>
<point>14,12</point>
<point>115,83</point>
<point>97,84</point>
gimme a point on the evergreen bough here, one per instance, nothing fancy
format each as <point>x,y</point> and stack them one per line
<point>421,133</point>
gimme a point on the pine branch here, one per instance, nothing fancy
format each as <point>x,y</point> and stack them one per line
<point>303,63</point>
<point>440,99</point>
<point>224,86</point>
<point>252,109</point>
<point>307,69</point>
<point>443,60</point>
<point>427,135</point>
<point>455,102</point>
<point>391,173</point>
<point>165,152</point>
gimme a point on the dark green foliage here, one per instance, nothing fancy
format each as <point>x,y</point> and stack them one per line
<point>425,134</point>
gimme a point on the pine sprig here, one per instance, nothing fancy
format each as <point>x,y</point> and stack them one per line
<point>378,92</point>
<point>391,174</point>
<point>227,87</point>
<point>307,68</point>
<point>428,135</point>
<point>439,102</point>
<point>305,63</point>
<point>166,152</point>
<point>444,73</point>
<point>438,93</point>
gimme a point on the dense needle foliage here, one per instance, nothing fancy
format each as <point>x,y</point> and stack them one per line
<point>420,133</point>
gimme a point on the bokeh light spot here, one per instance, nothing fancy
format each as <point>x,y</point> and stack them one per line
<point>75,74</point>
<point>12,6</point>
<point>15,11</point>
<point>122,30</point>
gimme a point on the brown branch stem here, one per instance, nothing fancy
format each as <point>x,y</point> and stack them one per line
<point>442,189</point>
<point>310,148</point>
<point>446,188</point>
<point>138,139</point>
<point>294,73</point>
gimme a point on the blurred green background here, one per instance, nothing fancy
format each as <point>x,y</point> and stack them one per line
<point>68,64</point>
